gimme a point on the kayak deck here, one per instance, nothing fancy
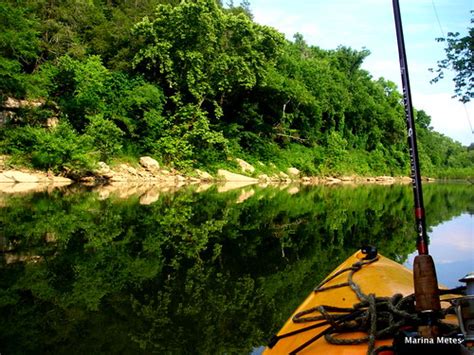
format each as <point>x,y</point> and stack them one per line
<point>382,277</point>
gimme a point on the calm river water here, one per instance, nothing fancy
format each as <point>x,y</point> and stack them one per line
<point>197,271</point>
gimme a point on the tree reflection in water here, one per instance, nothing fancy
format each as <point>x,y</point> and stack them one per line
<point>191,272</point>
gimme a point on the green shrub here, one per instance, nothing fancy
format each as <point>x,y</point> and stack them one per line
<point>376,160</point>
<point>305,159</point>
<point>62,150</point>
<point>104,135</point>
<point>17,140</point>
<point>59,149</point>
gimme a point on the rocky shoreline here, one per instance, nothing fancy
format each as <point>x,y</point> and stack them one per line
<point>149,172</point>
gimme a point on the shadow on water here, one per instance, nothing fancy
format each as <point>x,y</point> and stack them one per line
<point>186,272</point>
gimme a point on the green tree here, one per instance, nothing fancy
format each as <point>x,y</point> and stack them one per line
<point>459,58</point>
<point>198,53</point>
<point>79,87</point>
<point>423,120</point>
<point>19,48</point>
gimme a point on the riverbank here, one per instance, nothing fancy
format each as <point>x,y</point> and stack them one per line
<point>147,175</point>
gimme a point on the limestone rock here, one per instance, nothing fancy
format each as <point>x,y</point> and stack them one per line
<point>333,180</point>
<point>18,176</point>
<point>180,178</point>
<point>104,170</point>
<point>149,164</point>
<point>128,169</point>
<point>293,171</point>
<point>5,180</point>
<point>118,178</point>
<point>384,179</point>
<point>204,175</point>
<point>61,180</point>
<point>52,122</point>
<point>228,176</point>
<point>246,167</point>
<point>12,103</point>
<point>145,175</point>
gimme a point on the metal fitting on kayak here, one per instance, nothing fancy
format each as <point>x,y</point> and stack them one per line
<point>464,307</point>
<point>469,280</point>
<point>369,251</point>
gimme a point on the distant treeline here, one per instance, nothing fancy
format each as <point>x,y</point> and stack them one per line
<point>193,83</point>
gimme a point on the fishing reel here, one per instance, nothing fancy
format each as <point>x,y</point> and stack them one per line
<point>464,307</point>
<point>410,342</point>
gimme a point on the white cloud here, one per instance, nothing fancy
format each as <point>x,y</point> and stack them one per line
<point>452,247</point>
<point>448,116</point>
<point>452,241</point>
<point>288,24</point>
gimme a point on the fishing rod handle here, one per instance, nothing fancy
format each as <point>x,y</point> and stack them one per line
<point>426,284</point>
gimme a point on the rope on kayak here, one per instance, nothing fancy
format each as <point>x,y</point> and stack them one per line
<point>378,317</point>
<point>366,321</point>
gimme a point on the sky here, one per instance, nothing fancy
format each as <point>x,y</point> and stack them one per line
<point>452,248</point>
<point>369,24</point>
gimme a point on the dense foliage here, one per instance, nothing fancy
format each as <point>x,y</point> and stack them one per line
<point>193,83</point>
<point>191,273</point>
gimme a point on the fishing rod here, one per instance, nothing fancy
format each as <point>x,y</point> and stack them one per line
<point>424,272</point>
